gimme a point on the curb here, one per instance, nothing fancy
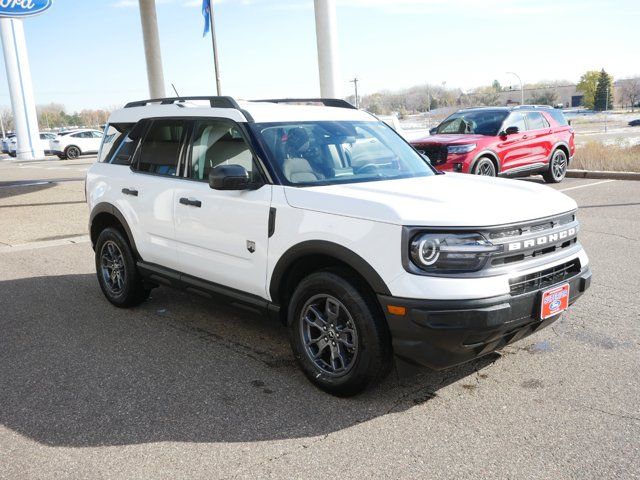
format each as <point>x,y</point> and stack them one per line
<point>603,174</point>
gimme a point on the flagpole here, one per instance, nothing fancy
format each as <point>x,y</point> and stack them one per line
<point>215,49</point>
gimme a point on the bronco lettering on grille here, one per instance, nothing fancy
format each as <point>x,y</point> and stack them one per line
<point>543,240</point>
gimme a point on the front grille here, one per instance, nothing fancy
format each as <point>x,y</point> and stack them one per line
<point>544,278</point>
<point>436,153</point>
<point>533,239</point>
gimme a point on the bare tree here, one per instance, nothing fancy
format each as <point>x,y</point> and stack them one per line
<point>630,91</point>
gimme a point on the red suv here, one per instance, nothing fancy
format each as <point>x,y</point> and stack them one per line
<point>505,141</point>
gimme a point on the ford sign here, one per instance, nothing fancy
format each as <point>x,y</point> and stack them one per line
<point>23,8</point>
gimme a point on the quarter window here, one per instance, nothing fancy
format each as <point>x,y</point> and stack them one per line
<point>160,149</point>
<point>218,142</point>
<point>112,149</point>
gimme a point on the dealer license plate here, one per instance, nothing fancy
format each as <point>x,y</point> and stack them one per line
<point>554,301</point>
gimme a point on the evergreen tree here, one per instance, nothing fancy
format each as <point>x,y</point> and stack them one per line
<point>604,92</point>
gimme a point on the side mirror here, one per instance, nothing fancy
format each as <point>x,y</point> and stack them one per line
<point>229,177</point>
<point>433,131</point>
<point>511,130</point>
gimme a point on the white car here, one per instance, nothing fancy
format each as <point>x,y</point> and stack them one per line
<point>74,143</point>
<point>43,143</point>
<point>5,142</point>
<point>326,218</point>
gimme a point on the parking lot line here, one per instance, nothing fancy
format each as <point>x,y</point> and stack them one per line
<point>587,185</point>
<point>46,243</point>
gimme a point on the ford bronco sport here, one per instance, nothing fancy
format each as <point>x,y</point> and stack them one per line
<point>323,216</point>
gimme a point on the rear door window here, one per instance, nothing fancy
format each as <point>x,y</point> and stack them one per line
<point>161,147</point>
<point>536,121</point>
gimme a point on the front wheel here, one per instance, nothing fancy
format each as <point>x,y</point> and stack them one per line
<point>485,167</point>
<point>557,168</point>
<point>338,335</point>
<point>117,273</point>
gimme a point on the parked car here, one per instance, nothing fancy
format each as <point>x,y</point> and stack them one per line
<point>5,142</point>
<point>43,142</point>
<point>74,143</point>
<point>502,141</point>
<point>327,219</point>
<point>635,123</point>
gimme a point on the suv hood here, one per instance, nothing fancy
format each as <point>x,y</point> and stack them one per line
<point>450,200</point>
<point>451,139</point>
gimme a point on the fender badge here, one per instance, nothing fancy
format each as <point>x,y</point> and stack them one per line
<point>251,246</point>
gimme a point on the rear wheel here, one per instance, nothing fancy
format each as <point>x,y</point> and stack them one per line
<point>485,167</point>
<point>557,168</point>
<point>72,152</point>
<point>116,268</point>
<point>338,335</point>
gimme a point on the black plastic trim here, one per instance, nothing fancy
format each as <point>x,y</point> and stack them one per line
<point>321,247</point>
<point>105,207</point>
<point>215,102</point>
<point>443,333</point>
<point>327,102</point>
<point>272,222</point>
<point>173,278</point>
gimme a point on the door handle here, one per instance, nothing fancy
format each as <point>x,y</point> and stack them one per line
<point>190,202</point>
<point>130,191</point>
<point>524,137</point>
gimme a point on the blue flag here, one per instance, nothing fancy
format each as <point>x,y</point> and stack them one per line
<point>205,14</point>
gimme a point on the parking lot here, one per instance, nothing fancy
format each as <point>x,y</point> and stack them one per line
<point>183,387</point>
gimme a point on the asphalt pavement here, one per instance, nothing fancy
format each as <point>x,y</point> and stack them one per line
<point>183,387</point>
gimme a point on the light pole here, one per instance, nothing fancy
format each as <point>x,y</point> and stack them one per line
<point>152,54</point>
<point>521,88</point>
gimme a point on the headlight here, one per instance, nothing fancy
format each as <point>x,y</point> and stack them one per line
<point>442,252</point>
<point>470,147</point>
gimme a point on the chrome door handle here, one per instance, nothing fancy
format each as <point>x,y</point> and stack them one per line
<point>190,202</point>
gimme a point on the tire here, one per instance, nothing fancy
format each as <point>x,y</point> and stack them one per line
<point>72,152</point>
<point>124,288</point>
<point>557,167</point>
<point>485,167</point>
<point>329,311</point>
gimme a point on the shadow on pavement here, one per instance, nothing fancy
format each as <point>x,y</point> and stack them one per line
<point>76,371</point>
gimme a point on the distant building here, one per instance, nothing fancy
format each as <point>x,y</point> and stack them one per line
<point>567,95</point>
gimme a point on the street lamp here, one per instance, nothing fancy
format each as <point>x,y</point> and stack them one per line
<point>521,89</point>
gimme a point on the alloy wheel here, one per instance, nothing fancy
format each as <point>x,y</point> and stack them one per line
<point>485,169</point>
<point>112,266</point>
<point>559,165</point>
<point>329,335</point>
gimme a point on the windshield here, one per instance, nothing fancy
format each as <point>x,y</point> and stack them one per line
<point>481,122</point>
<point>334,152</point>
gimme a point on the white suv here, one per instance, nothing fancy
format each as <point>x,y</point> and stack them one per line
<point>323,216</point>
<point>72,144</point>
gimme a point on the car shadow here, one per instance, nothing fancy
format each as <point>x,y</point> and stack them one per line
<point>77,371</point>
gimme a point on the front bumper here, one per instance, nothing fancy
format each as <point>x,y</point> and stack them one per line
<point>443,333</point>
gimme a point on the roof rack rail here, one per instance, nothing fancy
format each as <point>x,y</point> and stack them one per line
<point>531,106</point>
<point>327,102</point>
<point>215,102</point>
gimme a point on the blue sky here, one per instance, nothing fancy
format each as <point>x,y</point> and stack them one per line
<point>89,53</point>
